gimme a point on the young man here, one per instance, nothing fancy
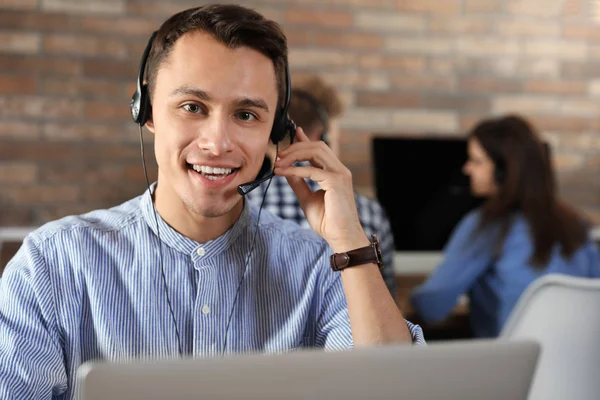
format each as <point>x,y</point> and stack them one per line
<point>316,107</point>
<point>179,270</point>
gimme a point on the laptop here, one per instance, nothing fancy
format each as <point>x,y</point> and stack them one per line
<point>481,369</point>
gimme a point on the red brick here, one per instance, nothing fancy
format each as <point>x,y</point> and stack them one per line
<point>356,157</point>
<point>354,140</point>
<point>555,87</point>
<point>84,46</point>
<point>572,7</point>
<point>111,69</point>
<point>430,6</point>
<point>311,57</point>
<point>462,25</point>
<point>483,6</point>
<point>488,85</point>
<point>460,102</point>
<point>100,110</point>
<point>587,32</point>
<point>51,212</point>
<point>39,107</point>
<point>334,19</point>
<point>393,62</point>
<point>17,84</point>
<point>38,21</point>
<point>420,82</point>
<point>86,7</point>
<point>18,172</point>
<point>350,40</point>
<point>87,173</point>
<point>13,150</point>
<point>19,42</point>
<point>41,193</point>
<point>83,88</point>
<point>111,194</point>
<point>17,215</point>
<point>19,130</point>
<point>535,8</point>
<point>158,7</point>
<point>560,123</point>
<point>297,37</point>
<point>42,65</point>
<point>361,175</point>
<point>83,131</point>
<point>579,141</point>
<point>129,26</point>
<point>389,100</point>
<point>468,121</point>
<point>19,4</point>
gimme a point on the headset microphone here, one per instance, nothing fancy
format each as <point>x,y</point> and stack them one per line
<point>264,175</point>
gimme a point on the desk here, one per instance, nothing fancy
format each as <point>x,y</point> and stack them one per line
<point>455,326</point>
<point>412,269</point>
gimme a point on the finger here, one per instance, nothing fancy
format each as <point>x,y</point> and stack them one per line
<point>301,188</point>
<point>301,135</point>
<point>312,173</point>
<point>317,155</point>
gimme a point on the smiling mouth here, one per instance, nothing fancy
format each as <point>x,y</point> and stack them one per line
<point>212,173</point>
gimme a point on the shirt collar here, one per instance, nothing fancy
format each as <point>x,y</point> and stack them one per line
<point>183,244</point>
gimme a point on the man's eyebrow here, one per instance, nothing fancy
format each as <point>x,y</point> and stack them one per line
<point>203,95</point>
<point>188,90</point>
<point>255,103</point>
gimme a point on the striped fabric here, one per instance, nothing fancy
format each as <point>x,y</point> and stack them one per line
<point>89,287</point>
<point>282,201</point>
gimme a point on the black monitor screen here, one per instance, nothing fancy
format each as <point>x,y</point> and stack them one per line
<point>420,184</point>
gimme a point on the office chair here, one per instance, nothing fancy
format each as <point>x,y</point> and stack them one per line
<point>562,313</point>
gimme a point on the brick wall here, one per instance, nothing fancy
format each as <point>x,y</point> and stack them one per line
<point>67,71</point>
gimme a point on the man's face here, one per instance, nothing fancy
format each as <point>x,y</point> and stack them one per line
<point>212,112</point>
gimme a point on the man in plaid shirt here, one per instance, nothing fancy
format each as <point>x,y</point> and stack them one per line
<point>315,106</point>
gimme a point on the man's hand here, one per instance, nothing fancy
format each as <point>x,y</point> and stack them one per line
<point>331,211</point>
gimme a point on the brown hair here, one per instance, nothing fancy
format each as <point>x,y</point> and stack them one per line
<point>303,111</point>
<point>527,184</point>
<point>234,26</point>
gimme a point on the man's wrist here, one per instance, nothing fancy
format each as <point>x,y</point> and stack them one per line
<point>351,243</point>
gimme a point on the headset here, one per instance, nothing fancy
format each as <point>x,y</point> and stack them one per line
<point>141,111</point>
<point>321,113</point>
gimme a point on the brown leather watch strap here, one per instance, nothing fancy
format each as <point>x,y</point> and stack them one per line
<point>370,254</point>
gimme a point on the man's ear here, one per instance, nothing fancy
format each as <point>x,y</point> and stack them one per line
<point>150,124</point>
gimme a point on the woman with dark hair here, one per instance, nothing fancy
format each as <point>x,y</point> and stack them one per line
<point>521,232</point>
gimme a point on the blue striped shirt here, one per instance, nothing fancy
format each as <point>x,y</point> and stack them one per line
<point>90,288</point>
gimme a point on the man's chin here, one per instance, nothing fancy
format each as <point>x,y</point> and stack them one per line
<point>213,208</point>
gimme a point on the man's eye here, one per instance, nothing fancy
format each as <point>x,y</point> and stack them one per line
<point>193,108</point>
<point>246,116</point>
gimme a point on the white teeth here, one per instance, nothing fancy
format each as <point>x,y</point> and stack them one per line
<point>204,169</point>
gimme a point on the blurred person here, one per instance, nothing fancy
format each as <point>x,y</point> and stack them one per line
<point>316,107</point>
<point>522,231</point>
<point>189,268</point>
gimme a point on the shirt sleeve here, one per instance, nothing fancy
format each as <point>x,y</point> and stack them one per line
<point>467,256</point>
<point>31,359</point>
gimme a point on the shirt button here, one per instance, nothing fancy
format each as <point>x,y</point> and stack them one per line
<point>201,251</point>
<point>205,309</point>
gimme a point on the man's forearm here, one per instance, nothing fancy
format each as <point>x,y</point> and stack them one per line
<point>374,315</point>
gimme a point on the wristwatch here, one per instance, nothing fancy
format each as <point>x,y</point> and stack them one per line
<point>370,254</point>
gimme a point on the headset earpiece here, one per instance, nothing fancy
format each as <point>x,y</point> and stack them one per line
<point>141,108</point>
<point>282,124</point>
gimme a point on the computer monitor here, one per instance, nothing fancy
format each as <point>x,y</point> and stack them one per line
<point>420,184</point>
